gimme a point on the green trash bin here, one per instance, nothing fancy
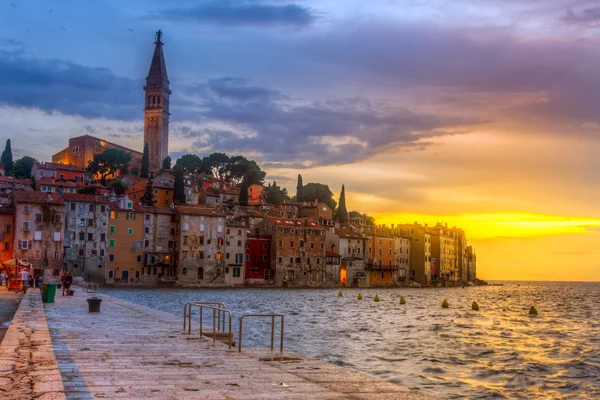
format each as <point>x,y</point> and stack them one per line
<point>45,292</point>
<point>51,292</point>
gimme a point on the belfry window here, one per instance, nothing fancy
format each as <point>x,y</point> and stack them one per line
<point>76,149</point>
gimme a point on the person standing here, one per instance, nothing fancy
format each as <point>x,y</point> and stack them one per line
<point>2,277</point>
<point>67,283</point>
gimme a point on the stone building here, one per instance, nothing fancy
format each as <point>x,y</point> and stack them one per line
<point>443,258</point>
<point>7,216</point>
<point>297,251</point>
<point>235,245</point>
<point>81,151</point>
<point>258,269</point>
<point>201,237</point>
<point>86,232</point>
<point>160,243</point>
<point>471,264</point>
<point>125,238</point>
<point>382,268</point>
<point>351,246</point>
<point>319,212</point>
<point>420,252</point>
<point>39,232</point>
<point>403,257</point>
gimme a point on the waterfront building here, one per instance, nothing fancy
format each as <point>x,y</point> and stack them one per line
<point>471,264</point>
<point>443,258</point>
<point>333,266</point>
<point>402,252</point>
<point>156,110</point>
<point>420,252</point>
<point>235,248</point>
<point>7,216</point>
<point>460,253</point>
<point>298,251</point>
<point>39,232</point>
<point>382,268</point>
<point>201,237</point>
<point>86,232</point>
<point>160,244</point>
<point>125,237</point>
<point>258,269</point>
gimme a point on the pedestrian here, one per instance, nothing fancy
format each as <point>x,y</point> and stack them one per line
<point>67,284</point>
<point>30,280</point>
<point>2,277</point>
<point>24,278</point>
<point>36,282</point>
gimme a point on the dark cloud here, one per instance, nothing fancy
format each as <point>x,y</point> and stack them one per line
<point>587,16</point>
<point>229,12</point>
<point>68,88</point>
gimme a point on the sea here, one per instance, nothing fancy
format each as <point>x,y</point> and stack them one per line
<point>498,352</point>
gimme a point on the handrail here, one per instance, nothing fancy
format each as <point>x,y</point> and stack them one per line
<point>90,287</point>
<point>272,329</point>
<point>215,309</point>
<point>188,307</point>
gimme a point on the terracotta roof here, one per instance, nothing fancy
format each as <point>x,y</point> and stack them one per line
<point>189,210</point>
<point>38,197</point>
<point>55,182</point>
<point>136,208</point>
<point>10,179</point>
<point>331,254</point>
<point>348,233</point>
<point>56,166</point>
<point>291,222</point>
<point>158,210</point>
<point>84,198</point>
<point>102,140</point>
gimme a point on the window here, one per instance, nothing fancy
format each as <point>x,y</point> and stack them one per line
<point>56,255</point>
<point>90,237</point>
<point>280,260</point>
<point>185,240</point>
<point>36,254</point>
<point>322,246</point>
<point>25,225</point>
<point>81,236</point>
<point>227,256</point>
<point>103,237</point>
<point>130,231</point>
<point>57,236</point>
<point>186,226</point>
<point>137,274</point>
<point>111,274</point>
<point>264,257</point>
<point>27,209</point>
<point>184,271</point>
<point>201,227</point>
<point>301,243</point>
<point>113,215</point>
<point>72,206</point>
<point>139,258</point>
<point>236,272</point>
<point>111,243</point>
<point>38,217</point>
<point>91,208</point>
<point>172,231</point>
<point>139,244</point>
<point>112,229</point>
<point>101,252</point>
<point>281,243</point>
<point>90,222</point>
<point>81,252</point>
<point>37,235</point>
<point>247,257</point>
<point>7,246</point>
<point>291,260</point>
<point>24,244</point>
<point>201,255</point>
<point>298,260</point>
<point>75,266</point>
<point>291,243</point>
<point>111,257</point>
<point>239,242</point>
<point>200,274</point>
<point>102,208</point>
<point>239,257</point>
<point>57,218</point>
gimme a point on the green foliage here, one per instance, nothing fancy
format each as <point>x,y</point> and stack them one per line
<point>189,163</point>
<point>118,186</point>
<point>22,167</point>
<point>108,163</point>
<point>7,158</point>
<point>221,166</point>
<point>275,194</point>
<point>145,162</point>
<point>216,164</point>
<point>33,182</point>
<point>342,212</point>
<point>179,188</point>
<point>148,197</point>
<point>320,192</point>
<point>243,194</point>
<point>368,219</point>
<point>299,189</point>
<point>88,190</point>
<point>166,163</point>
<point>135,171</point>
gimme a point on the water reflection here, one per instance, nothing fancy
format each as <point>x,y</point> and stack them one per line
<point>498,352</point>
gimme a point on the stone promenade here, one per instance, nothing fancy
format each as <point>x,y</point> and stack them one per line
<point>134,352</point>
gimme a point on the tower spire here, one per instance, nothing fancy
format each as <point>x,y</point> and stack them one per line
<point>156,112</point>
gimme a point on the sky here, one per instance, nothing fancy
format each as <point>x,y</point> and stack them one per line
<point>479,114</point>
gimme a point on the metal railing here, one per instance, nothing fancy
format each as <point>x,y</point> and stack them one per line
<point>187,312</point>
<point>90,287</point>
<point>215,326</point>
<point>272,329</point>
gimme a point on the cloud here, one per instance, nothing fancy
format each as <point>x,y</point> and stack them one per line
<point>587,16</point>
<point>253,13</point>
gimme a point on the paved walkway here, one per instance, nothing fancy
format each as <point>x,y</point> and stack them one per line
<point>9,302</point>
<point>134,352</point>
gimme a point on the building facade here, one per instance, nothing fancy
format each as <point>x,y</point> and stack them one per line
<point>7,216</point>
<point>258,260</point>
<point>235,246</point>
<point>160,243</point>
<point>81,151</point>
<point>125,238</point>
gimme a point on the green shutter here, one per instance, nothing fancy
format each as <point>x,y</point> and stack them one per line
<point>116,214</point>
<point>127,216</point>
<point>112,229</point>
<point>111,243</point>
<point>134,216</point>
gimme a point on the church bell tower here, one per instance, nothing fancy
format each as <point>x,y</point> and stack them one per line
<point>156,112</point>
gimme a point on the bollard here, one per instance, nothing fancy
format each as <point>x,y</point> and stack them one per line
<point>533,311</point>
<point>402,300</point>
<point>340,294</point>
<point>376,299</point>
<point>94,304</point>
<point>475,306</point>
<point>359,297</point>
<point>445,304</point>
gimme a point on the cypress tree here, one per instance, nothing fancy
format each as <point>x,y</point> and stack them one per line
<point>145,162</point>
<point>342,212</point>
<point>148,197</point>
<point>179,189</point>
<point>244,193</point>
<point>7,158</point>
<point>299,189</point>
<point>166,164</point>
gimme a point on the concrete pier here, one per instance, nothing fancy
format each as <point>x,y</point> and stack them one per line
<point>134,352</point>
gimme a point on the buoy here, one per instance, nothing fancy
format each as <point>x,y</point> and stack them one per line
<point>475,306</point>
<point>533,311</point>
<point>376,299</point>
<point>340,294</point>
<point>402,300</point>
<point>445,304</point>
<point>359,297</point>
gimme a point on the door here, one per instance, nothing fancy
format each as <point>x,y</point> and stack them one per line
<point>125,276</point>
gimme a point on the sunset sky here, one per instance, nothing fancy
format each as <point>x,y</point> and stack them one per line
<point>479,114</point>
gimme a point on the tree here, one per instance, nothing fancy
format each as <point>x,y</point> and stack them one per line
<point>216,164</point>
<point>299,189</point>
<point>7,158</point>
<point>239,168</point>
<point>33,182</point>
<point>166,163</point>
<point>145,162</point>
<point>320,192</point>
<point>148,197</point>
<point>22,167</point>
<point>244,193</point>
<point>179,187</point>
<point>118,186</point>
<point>275,195</point>
<point>88,190</point>
<point>368,219</point>
<point>342,212</point>
<point>108,163</point>
<point>189,163</point>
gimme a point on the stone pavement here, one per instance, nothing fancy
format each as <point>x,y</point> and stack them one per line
<point>9,302</point>
<point>134,352</point>
<point>27,365</point>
